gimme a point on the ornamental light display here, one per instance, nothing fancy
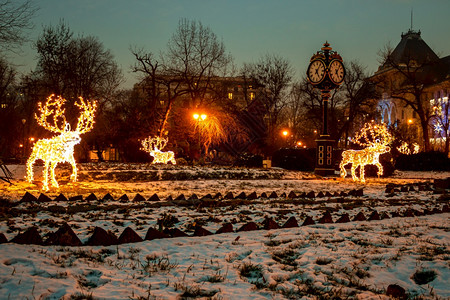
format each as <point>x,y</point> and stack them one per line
<point>375,138</point>
<point>154,146</point>
<point>60,148</point>
<point>405,148</point>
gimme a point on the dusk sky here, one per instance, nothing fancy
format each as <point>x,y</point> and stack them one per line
<point>293,29</point>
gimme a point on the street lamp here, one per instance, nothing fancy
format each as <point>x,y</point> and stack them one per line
<point>199,117</point>
<point>285,134</point>
<point>23,138</point>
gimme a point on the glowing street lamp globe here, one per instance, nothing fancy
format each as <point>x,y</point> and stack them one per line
<point>199,117</point>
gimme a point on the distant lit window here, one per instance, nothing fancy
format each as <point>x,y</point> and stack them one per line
<point>230,95</point>
<point>4,105</point>
<point>250,87</point>
<point>252,96</point>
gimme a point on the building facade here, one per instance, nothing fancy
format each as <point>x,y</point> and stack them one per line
<point>414,84</point>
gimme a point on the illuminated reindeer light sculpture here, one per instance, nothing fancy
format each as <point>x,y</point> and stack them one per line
<point>60,148</point>
<point>154,146</point>
<point>376,139</point>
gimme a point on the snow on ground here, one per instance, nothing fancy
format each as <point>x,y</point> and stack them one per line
<point>349,260</point>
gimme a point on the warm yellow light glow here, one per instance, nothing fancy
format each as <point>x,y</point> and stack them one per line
<point>376,139</point>
<point>416,148</point>
<point>154,146</point>
<point>405,148</point>
<point>299,143</point>
<point>32,139</point>
<point>199,117</point>
<point>285,132</point>
<point>20,146</point>
<point>61,147</point>
<point>410,121</point>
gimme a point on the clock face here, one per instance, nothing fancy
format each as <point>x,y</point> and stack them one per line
<point>316,71</point>
<point>337,72</point>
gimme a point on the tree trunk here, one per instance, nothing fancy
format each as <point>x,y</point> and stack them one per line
<point>426,136</point>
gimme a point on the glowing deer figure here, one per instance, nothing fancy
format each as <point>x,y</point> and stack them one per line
<point>154,146</point>
<point>59,148</point>
<point>376,139</point>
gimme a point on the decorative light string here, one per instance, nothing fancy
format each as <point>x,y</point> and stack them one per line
<point>61,147</point>
<point>375,137</point>
<point>154,146</point>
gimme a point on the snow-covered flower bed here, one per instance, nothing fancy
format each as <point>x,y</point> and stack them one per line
<point>358,259</point>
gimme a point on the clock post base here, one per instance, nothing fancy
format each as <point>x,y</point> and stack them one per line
<point>324,156</point>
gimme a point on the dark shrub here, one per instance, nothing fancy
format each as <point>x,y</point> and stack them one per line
<point>295,159</point>
<point>423,161</point>
<point>249,160</point>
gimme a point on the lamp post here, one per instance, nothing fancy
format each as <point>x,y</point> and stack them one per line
<point>325,72</point>
<point>23,138</point>
<point>199,117</point>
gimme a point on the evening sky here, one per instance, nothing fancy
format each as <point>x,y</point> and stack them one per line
<point>293,29</point>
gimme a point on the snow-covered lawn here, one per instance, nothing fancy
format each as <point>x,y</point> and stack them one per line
<point>359,259</point>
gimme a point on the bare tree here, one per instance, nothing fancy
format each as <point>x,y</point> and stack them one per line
<point>274,74</point>
<point>407,79</point>
<point>15,18</point>
<point>161,88</point>
<point>9,134</point>
<point>195,55</point>
<point>357,94</point>
<point>185,77</point>
<point>75,67</point>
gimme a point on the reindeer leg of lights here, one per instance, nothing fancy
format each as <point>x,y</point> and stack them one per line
<point>52,174</point>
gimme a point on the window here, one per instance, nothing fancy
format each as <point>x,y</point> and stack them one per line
<point>4,105</point>
<point>252,95</point>
<point>230,96</point>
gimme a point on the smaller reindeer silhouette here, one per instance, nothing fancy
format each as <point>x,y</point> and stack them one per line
<point>154,146</point>
<point>61,147</point>
<point>376,139</point>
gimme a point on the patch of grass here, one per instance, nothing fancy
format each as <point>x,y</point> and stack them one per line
<point>286,257</point>
<point>155,263</point>
<point>193,291</point>
<point>250,270</point>
<point>361,273</point>
<point>323,261</point>
<point>217,277</point>
<point>82,296</point>
<point>424,276</point>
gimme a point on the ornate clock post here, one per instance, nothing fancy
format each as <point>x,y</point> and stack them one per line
<point>325,72</point>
